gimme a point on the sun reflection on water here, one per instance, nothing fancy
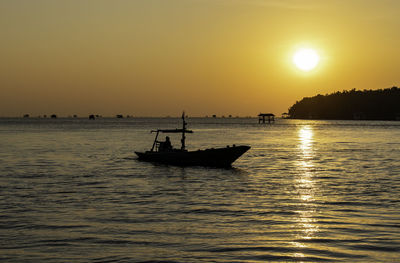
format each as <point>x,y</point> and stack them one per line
<point>306,141</point>
<point>305,186</point>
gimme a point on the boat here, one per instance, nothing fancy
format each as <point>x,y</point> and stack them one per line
<point>162,152</point>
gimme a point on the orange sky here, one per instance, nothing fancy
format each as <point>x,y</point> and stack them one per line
<point>159,57</point>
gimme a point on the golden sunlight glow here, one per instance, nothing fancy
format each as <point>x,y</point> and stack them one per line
<point>306,185</point>
<point>306,138</point>
<point>236,61</point>
<point>306,59</point>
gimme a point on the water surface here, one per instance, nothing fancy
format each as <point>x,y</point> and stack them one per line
<point>71,190</point>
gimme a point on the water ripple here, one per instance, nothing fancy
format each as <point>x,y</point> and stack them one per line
<point>307,191</point>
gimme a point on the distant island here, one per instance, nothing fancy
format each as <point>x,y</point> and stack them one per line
<point>382,104</point>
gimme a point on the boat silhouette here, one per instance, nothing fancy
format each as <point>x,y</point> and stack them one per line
<point>162,152</point>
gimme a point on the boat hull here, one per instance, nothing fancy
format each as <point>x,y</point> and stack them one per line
<point>218,157</point>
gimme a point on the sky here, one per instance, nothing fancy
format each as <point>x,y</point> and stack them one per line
<point>159,57</point>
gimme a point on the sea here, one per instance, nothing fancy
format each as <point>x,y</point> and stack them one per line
<point>72,190</point>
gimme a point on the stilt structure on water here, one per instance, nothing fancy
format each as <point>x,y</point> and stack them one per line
<point>270,118</point>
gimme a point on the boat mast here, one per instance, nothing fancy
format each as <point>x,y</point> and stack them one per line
<point>183,132</point>
<point>155,140</point>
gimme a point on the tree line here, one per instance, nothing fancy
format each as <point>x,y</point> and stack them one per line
<point>382,104</point>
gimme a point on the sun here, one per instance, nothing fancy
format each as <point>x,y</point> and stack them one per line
<point>306,59</point>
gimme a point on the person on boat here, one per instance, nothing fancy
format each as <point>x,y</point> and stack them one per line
<point>165,146</point>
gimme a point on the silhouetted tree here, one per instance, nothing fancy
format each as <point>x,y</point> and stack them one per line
<point>382,104</point>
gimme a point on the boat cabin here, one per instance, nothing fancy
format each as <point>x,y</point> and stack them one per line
<point>162,146</point>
